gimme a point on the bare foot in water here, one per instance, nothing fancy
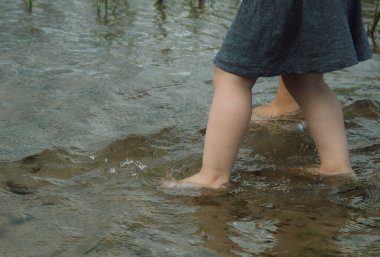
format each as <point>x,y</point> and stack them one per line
<point>197,181</point>
<point>314,170</point>
<point>282,106</point>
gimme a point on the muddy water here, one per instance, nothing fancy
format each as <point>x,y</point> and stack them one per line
<point>96,110</point>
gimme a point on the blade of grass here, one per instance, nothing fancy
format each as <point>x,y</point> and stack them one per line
<point>29,6</point>
<point>106,11</point>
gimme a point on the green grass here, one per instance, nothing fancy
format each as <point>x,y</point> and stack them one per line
<point>29,6</point>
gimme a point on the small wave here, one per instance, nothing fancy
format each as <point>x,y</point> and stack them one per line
<point>364,108</point>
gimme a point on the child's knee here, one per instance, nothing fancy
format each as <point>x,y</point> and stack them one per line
<point>224,77</point>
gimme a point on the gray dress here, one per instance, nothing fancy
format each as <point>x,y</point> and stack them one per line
<point>275,37</point>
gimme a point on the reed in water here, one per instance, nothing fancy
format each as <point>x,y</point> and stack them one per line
<point>29,6</point>
<point>376,19</point>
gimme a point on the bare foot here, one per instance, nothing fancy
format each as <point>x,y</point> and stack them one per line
<point>315,171</point>
<point>197,181</point>
<point>343,173</point>
<point>273,111</point>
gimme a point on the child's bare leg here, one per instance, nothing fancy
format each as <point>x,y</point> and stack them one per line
<point>283,105</point>
<point>229,118</point>
<point>324,116</point>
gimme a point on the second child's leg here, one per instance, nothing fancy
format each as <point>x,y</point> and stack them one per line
<point>324,117</point>
<point>229,118</point>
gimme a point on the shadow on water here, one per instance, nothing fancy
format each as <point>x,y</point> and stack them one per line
<point>120,208</point>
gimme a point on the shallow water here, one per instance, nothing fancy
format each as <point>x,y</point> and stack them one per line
<point>95,112</point>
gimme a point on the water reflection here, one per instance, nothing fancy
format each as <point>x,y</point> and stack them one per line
<point>106,7</point>
<point>160,17</point>
<point>197,7</point>
<point>306,221</point>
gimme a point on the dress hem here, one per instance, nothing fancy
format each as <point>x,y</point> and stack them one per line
<point>266,71</point>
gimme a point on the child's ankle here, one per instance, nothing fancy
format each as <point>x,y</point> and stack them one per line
<point>208,178</point>
<point>336,170</point>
